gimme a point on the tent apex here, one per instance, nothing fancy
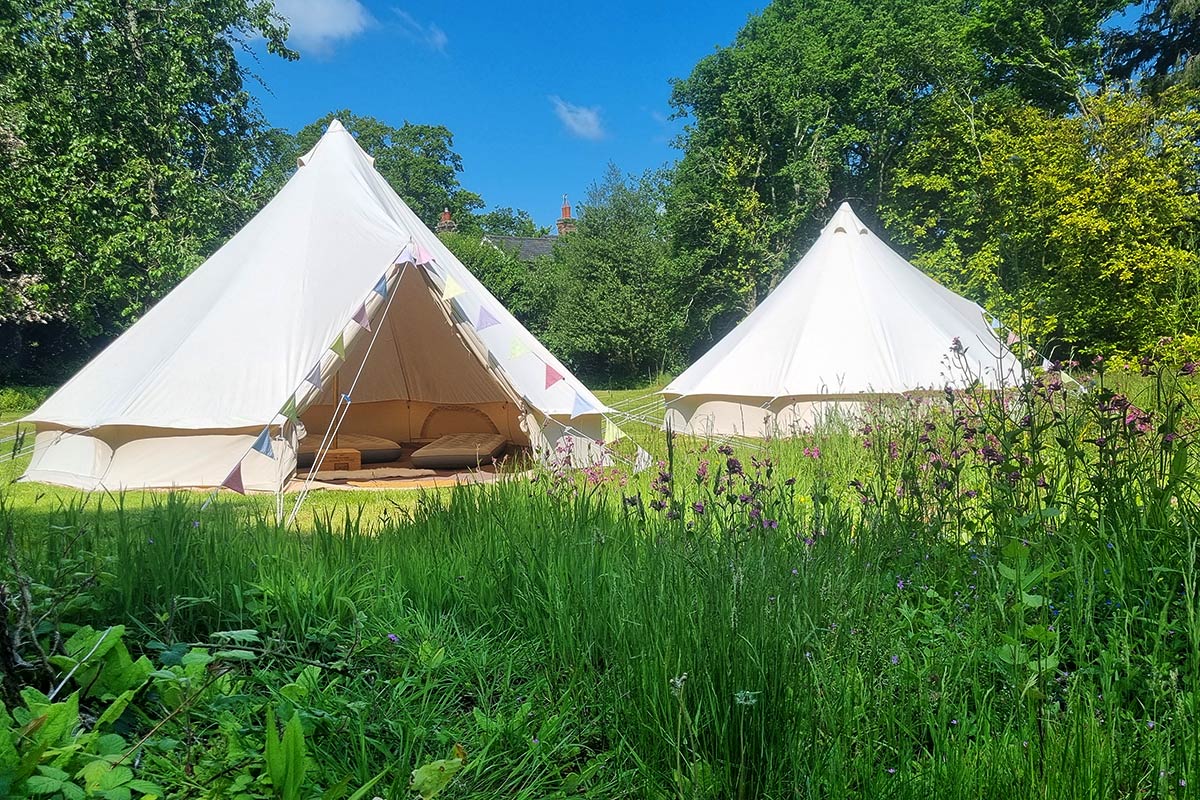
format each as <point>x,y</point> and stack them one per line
<point>335,125</point>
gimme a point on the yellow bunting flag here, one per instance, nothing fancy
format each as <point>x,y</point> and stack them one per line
<point>611,432</point>
<point>518,349</point>
<point>452,289</point>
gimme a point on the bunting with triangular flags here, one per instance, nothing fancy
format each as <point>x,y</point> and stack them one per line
<point>263,443</point>
<point>1013,338</point>
<point>361,319</point>
<point>423,256</point>
<point>381,288</point>
<point>552,376</point>
<point>408,255</point>
<point>486,319</point>
<point>234,480</point>
<point>289,410</point>
<point>517,349</point>
<point>452,289</point>
<point>339,347</point>
<point>580,406</point>
<point>314,377</point>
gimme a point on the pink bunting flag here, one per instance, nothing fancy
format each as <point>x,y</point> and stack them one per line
<point>423,256</point>
<point>552,376</point>
<point>1013,338</point>
<point>361,317</point>
<point>486,319</point>
<point>234,480</point>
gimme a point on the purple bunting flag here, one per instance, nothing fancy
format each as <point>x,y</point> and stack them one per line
<point>234,480</point>
<point>361,317</point>
<point>314,377</point>
<point>486,319</point>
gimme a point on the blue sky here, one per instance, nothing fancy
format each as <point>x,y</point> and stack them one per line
<point>540,96</point>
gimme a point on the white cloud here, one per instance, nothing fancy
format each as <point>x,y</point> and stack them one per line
<point>580,121</point>
<point>317,25</point>
<point>429,34</point>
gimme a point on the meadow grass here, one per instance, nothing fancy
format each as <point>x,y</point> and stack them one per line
<point>977,597</point>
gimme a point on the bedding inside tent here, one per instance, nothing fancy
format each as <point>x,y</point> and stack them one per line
<point>421,381</point>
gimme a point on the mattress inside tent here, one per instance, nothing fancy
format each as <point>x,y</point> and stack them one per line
<point>374,449</point>
<point>460,450</point>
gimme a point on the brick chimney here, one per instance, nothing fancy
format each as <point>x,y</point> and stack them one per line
<point>446,224</point>
<point>565,223</point>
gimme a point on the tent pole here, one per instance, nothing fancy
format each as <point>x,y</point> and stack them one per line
<point>336,399</point>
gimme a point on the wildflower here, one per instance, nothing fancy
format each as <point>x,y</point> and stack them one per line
<point>790,482</point>
<point>953,722</point>
<point>808,654</point>
<point>771,523</point>
<point>733,466</point>
<point>631,501</point>
<point>900,584</point>
<point>796,572</point>
<point>393,638</point>
<point>658,505</point>
<point>893,451</point>
<point>698,508</point>
<point>956,346</point>
<point>725,450</point>
<point>677,684</point>
<point>810,541</point>
<point>895,660</point>
<point>1188,368</point>
<point>1150,724</point>
<point>891,770</point>
<point>195,523</point>
<point>702,472</point>
<point>745,698</point>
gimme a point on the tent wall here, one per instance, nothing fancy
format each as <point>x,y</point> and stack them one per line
<point>702,415</point>
<point>130,457</point>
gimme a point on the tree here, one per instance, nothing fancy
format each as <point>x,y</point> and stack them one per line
<point>1163,49</point>
<point>614,314</point>
<point>509,222</point>
<point>128,149</point>
<point>1078,230</point>
<point>418,161</point>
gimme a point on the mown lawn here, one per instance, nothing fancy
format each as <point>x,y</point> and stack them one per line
<point>973,598</point>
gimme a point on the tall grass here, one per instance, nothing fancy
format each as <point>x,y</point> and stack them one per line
<point>1002,604</point>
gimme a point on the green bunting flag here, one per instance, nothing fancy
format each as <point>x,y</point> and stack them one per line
<point>339,347</point>
<point>289,410</point>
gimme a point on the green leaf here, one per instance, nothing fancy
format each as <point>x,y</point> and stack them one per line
<point>430,779</point>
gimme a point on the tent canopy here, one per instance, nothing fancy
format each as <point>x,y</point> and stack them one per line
<point>851,319</point>
<point>334,274</point>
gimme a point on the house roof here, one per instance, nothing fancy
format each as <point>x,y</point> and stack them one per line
<point>527,248</point>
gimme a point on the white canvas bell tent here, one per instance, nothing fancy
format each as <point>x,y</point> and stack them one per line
<point>334,308</point>
<point>852,320</point>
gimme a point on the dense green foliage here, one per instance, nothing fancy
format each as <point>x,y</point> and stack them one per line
<point>969,597</point>
<point>129,147</point>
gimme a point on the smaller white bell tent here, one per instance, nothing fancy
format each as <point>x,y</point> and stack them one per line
<point>335,309</point>
<point>852,320</point>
